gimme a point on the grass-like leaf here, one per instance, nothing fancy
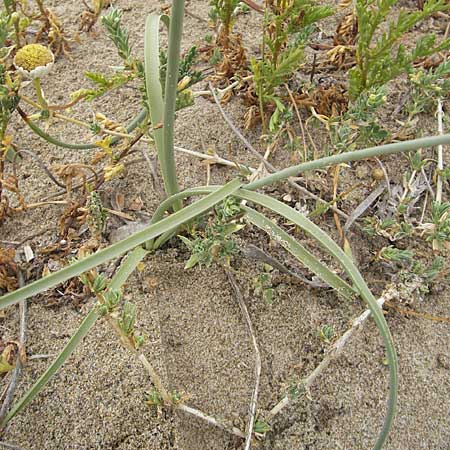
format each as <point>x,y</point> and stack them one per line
<point>117,249</point>
<point>295,248</point>
<point>357,155</point>
<point>325,241</point>
<point>155,99</point>
<point>170,92</point>
<point>125,270</point>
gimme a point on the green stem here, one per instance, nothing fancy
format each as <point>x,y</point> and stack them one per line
<point>40,96</point>
<point>40,132</point>
<point>170,91</point>
<point>388,149</point>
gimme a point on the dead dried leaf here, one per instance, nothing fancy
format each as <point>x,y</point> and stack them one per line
<point>136,204</point>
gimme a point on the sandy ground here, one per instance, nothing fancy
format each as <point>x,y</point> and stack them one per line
<point>197,338</point>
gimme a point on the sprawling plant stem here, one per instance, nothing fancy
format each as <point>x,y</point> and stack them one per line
<point>134,123</point>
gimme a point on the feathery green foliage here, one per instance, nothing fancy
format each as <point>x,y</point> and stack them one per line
<point>117,33</point>
<point>287,26</point>
<point>223,12</point>
<point>381,57</point>
<point>103,84</point>
<point>187,76</point>
<point>438,230</point>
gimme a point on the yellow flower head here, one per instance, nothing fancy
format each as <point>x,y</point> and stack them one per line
<point>34,60</point>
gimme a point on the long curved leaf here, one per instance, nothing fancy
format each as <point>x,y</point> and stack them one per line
<point>325,241</point>
<point>125,270</point>
<point>117,249</point>
<point>300,252</point>
<point>153,86</point>
<point>357,155</point>
<point>170,96</point>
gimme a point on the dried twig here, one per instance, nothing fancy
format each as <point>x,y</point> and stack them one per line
<point>254,6</point>
<point>11,446</point>
<point>391,292</point>
<point>40,356</point>
<point>236,131</point>
<point>420,315</point>
<point>130,145</point>
<point>253,252</point>
<point>194,16</point>
<point>213,159</point>
<point>40,163</point>
<point>152,165</point>
<point>427,181</point>
<point>363,206</point>
<point>300,121</point>
<point>254,400</point>
<point>386,176</point>
<point>211,420</point>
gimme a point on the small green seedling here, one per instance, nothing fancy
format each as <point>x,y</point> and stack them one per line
<point>359,125</point>
<point>154,399</point>
<point>393,254</point>
<point>438,230</point>
<point>388,228</point>
<point>261,427</point>
<point>214,242</point>
<point>326,334</point>
<point>263,284</point>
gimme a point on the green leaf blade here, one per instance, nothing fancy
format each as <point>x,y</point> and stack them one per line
<point>296,249</point>
<point>325,241</point>
<point>117,249</point>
